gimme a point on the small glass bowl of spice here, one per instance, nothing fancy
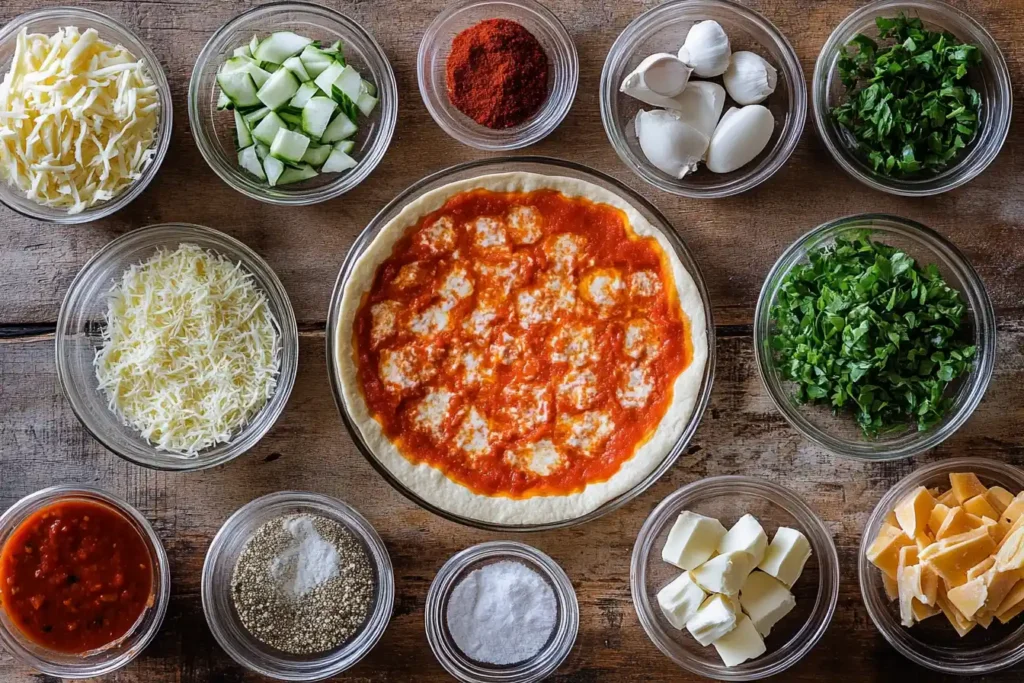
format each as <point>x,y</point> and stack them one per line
<point>501,611</point>
<point>297,586</point>
<point>497,74</point>
<point>84,582</point>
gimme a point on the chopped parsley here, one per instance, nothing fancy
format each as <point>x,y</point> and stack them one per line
<point>862,327</point>
<point>907,104</point>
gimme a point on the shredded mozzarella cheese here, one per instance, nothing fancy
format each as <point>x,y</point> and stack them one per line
<point>191,349</point>
<point>78,119</point>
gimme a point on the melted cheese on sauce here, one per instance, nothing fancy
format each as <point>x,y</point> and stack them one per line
<point>524,224</point>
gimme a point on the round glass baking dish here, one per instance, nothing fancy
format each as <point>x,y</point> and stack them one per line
<point>48,21</point>
<point>540,666</point>
<point>933,643</point>
<point>547,166</point>
<point>79,335</point>
<point>113,657</point>
<point>727,499</point>
<point>223,619</point>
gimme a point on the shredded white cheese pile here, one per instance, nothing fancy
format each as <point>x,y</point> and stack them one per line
<point>191,349</point>
<point>78,119</point>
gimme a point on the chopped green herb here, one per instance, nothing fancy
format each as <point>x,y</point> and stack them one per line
<point>863,328</point>
<point>906,103</point>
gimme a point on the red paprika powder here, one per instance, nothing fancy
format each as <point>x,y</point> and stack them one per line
<point>497,73</point>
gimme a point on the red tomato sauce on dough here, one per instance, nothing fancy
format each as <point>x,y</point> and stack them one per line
<point>411,282</point>
<point>75,576</point>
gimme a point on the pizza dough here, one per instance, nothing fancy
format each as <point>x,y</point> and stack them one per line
<point>429,482</point>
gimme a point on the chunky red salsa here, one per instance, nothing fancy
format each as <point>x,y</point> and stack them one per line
<point>75,576</point>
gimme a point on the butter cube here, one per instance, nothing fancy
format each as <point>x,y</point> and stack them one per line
<point>740,644</point>
<point>716,617</point>
<point>1011,554</point>
<point>787,555</point>
<point>980,507</point>
<point>692,540</point>
<point>937,517</point>
<point>680,600</point>
<point>746,535</point>
<point>724,573</point>
<point>970,597</point>
<point>765,600</point>
<point>914,511</point>
<point>999,498</point>
<point>966,485</point>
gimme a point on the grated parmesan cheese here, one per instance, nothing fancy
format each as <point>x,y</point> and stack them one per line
<point>191,350</point>
<point>78,119</point>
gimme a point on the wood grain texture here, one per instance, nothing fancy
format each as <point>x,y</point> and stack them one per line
<point>736,240</point>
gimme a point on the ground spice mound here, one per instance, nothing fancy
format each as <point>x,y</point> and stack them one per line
<point>497,73</point>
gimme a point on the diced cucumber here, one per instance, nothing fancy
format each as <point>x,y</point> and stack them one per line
<point>254,44</point>
<point>280,46</point>
<point>368,88</point>
<point>270,67</point>
<point>294,64</point>
<point>316,115</point>
<point>366,102</point>
<point>242,51</point>
<point>339,128</point>
<point>325,80</point>
<point>273,168</point>
<point>315,61</point>
<point>267,128</point>
<point>239,87</point>
<point>223,101</point>
<point>292,119</point>
<point>237,63</point>
<point>349,82</point>
<point>279,88</point>
<point>346,105</point>
<point>259,76</point>
<point>289,145</point>
<point>345,146</point>
<point>248,160</point>
<point>262,151</point>
<point>297,174</point>
<point>338,161</point>
<point>242,131</point>
<point>305,91</point>
<point>316,155</point>
<point>255,116</point>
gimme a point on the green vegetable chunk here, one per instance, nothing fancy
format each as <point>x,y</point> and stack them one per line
<point>907,104</point>
<point>863,328</point>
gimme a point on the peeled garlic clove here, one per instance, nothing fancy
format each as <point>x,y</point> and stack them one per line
<point>706,49</point>
<point>657,80</point>
<point>670,143</point>
<point>700,105</point>
<point>749,78</point>
<point>740,136</point>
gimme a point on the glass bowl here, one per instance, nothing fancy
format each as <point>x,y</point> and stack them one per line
<point>991,79</point>
<point>839,434</point>
<point>540,666</point>
<point>79,335</point>
<point>223,619</point>
<point>48,21</point>
<point>527,164</point>
<point>563,71</point>
<point>214,130</point>
<point>662,29</point>
<point>933,643</point>
<point>112,658</point>
<point>727,499</point>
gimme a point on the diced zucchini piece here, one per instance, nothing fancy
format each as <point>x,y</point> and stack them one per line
<point>292,119</point>
<point>242,51</point>
<point>237,63</point>
<point>239,87</point>
<point>366,102</point>
<point>288,145</point>
<point>316,115</point>
<point>306,91</point>
<point>242,131</point>
<point>368,88</point>
<point>294,64</point>
<point>270,67</point>
<point>325,80</point>
<point>345,146</point>
<point>255,116</point>
<point>316,155</point>
<point>273,168</point>
<point>254,44</point>
<point>280,46</point>
<point>349,82</point>
<point>259,76</point>
<point>296,174</point>
<point>267,128</point>
<point>279,88</point>
<point>315,61</point>
<point>339,128</point>
<point>262,151</point>
<point>338,161</point>
<point>248,160</point>
<point>224,102</point>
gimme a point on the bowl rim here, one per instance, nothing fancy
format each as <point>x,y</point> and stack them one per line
<point>495,164</point>
<point>17,513</point>
<point>343,183</point>
<point>817,533</point>
<point>984,323</point>
<point>377,620</point>
<point>798,112</point>
<point>481,137</point>
<point>898,639</point>
<point>267,281</point>
<point>163,131</point>
<point>914,187</point>
<point>563,636</point>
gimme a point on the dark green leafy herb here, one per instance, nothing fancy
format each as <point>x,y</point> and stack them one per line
<point>865,329</point>
<point>907,104</point>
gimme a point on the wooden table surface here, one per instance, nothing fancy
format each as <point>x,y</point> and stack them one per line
<point>735,240</point>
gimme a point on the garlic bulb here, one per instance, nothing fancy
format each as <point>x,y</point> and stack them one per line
<point>670,143</point>
<point>657,80</point>
<point>700,105</point>
<point>740,136</point>
<point>706,49</point>
<point>749,78</point>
